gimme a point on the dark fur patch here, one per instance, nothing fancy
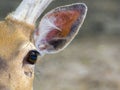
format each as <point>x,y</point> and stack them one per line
<point>4,87</point>
<point>3,65</point>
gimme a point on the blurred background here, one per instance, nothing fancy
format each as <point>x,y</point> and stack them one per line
<point>92,60</point>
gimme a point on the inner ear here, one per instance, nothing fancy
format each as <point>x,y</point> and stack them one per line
<point>58,27</point>
<point>57,43</point>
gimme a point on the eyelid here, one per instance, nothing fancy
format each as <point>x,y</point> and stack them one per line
<point>28,46</point>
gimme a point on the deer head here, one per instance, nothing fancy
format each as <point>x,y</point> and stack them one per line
<point>21,41</point>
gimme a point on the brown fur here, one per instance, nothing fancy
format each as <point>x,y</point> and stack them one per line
<point>13,35</point>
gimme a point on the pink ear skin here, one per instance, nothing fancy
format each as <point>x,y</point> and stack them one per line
<point>58,27</point>
<point>64,21</point>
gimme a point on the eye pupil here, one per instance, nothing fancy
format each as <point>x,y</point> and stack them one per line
<point>32,57</point>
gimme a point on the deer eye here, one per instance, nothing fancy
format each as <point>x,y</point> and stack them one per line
<point>32,57</point>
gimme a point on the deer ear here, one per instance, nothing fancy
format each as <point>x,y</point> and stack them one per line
<point>58,28</point>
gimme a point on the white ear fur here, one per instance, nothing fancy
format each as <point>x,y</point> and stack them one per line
<point>46,36</point>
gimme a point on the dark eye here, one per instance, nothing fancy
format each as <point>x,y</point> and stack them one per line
<point>32,57</point>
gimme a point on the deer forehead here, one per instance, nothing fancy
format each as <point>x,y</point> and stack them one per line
<point>13,38</point>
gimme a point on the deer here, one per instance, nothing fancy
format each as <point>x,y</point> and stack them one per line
<point>22,41</point>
